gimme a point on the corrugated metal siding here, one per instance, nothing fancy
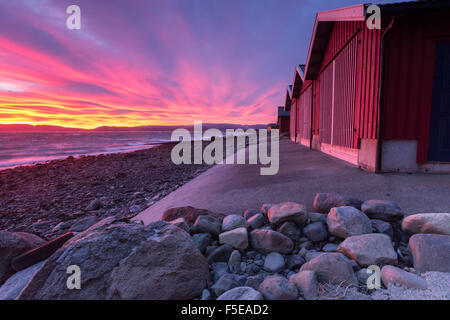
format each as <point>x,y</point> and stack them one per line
<point>326,99</point>
<point>408,78</point>
<point>316,107</point>
<point>367,84</point>
<point>292,118</point>
<point>305,113</point>
<point>344,95</point>
<point>341,33</point>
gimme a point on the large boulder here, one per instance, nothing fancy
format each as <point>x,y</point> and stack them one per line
<point>190,214</point>
<point>431,252</point>
<point>323,202</point>
<point>382,209</point>
<point>348,221</point>
<point>278,288</point>
<point>124,261</point>
<point>393,275</point>
<point>12,244</point>
<point>10,290</point>
<point>266,241</point>
<point>288,211</point>
<point>241,293</point>
<point>306,283</point>
<point>369,249</point>
<point>437,223</point>
<point>237,238</point>
<point>233,221</point>
<point>331,268</point>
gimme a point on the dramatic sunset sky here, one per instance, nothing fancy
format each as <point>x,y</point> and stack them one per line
<point>146,62</point>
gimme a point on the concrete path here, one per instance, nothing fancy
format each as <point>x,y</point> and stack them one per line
<point>303,173</point>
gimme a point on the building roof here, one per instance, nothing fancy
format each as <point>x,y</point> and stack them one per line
<point>325,19</point>
<point>298,81</point>
<point>282,112</point>
<point>287,102</point>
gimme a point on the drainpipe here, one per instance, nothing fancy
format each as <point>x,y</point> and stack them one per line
<point>311,120</point>
<point>378,166</point>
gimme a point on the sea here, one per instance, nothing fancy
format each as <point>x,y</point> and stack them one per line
<point>17,149</point>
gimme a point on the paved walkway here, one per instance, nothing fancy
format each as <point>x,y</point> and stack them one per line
<point>303,173</point>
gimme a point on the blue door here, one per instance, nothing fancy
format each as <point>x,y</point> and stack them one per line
<point>439,144</point>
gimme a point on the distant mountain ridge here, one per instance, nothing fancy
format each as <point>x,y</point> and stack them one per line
<point>50,128</point>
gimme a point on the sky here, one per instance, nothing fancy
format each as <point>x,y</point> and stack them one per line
<point>151,62</point>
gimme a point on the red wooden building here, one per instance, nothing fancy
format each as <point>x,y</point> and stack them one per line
<point>283,120</point>
<point>378,98</point>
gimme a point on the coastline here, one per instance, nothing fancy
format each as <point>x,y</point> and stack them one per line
<point>49,198</point>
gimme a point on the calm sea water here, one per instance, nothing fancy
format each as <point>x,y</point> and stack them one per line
<point>27,148</point>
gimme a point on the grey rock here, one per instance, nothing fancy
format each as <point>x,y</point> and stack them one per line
<point>234,263</point>
<point>266,241</point>
<point>330,247</point>
<point>124,261</point>
<point>257,221</point>
<point>323,202</point>
<point>254,281</point>
<point>431,252</point>
<point>83,224</point>
<point>220,254</point>
<point>241,293</point>
<point>294,261</point>
<point>237,238</point>
<point>391,274</point>
<point>278,288</point>
<point>316,231</point>
<point>288,211</point>
<point>202,241</point>
<point>233,221</point>
<point>226,282</point>
<point>369,249</point>
<point>40,226</point>
<point>306,283</point>
<point>61,226</point>
<point>382,210</point>
<point>206,295</point>
<point>331,268</point>
<point>219,269</point>
<point>436,223</point>
<point>13,244</point>
<point>290,229</point>
<point>384,227</point>
<point>317,217</point>
<point>308,245</point>
<point>206,224</point>
<point>11,289</point>
<point>274,262</point>
<point>348,221</point>
<point>95,204</point>
<point>362,276</point>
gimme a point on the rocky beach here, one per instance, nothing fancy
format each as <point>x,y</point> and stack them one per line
<point>52,198</point>
<point>345,249</point>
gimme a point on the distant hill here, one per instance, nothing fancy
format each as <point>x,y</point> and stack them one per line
<point>48,128</point>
